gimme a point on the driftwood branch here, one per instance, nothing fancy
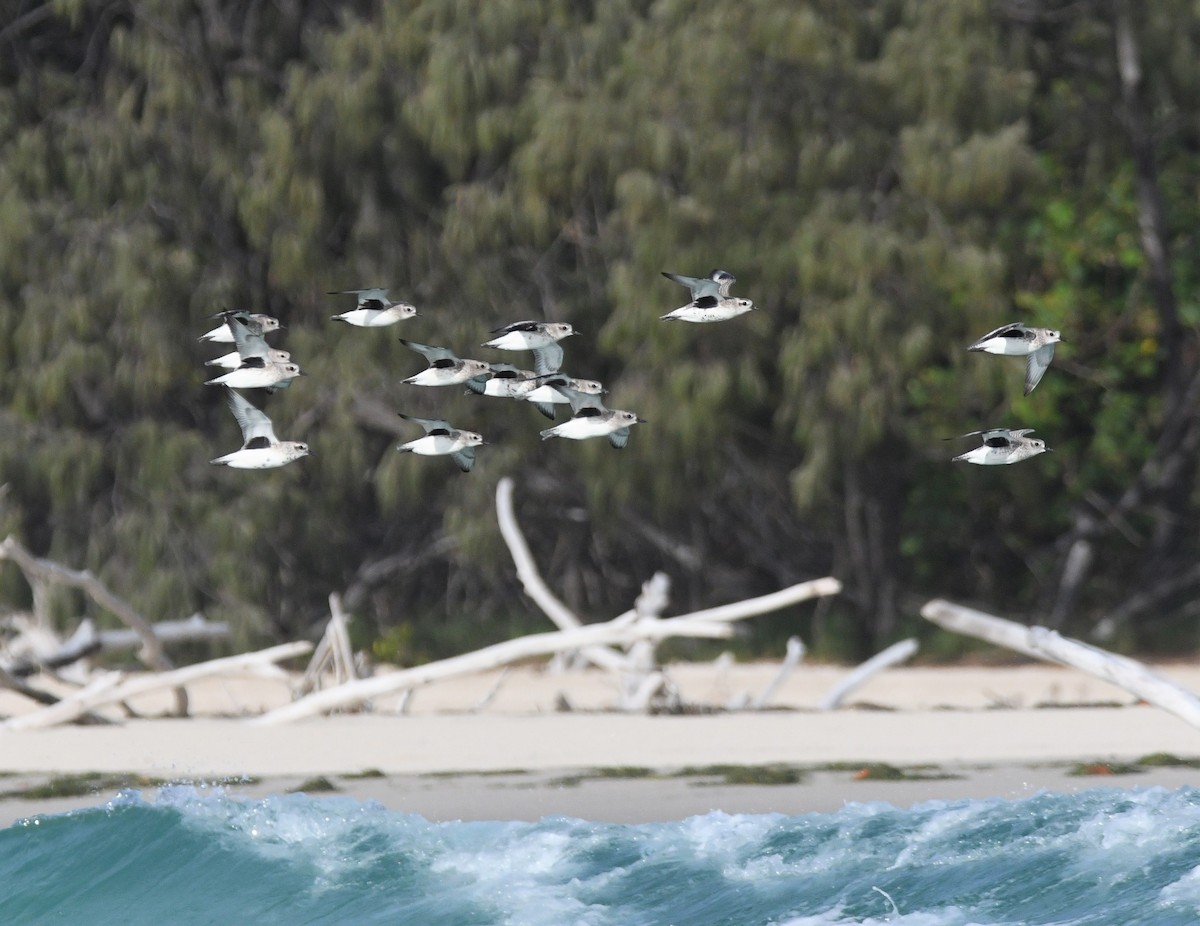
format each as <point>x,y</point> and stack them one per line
<point>333,651</point>
<point>893,655</point>
<point>791,659</point>
<point>535,586</point>
<point>44,570</point>
<point>1042,643</point>
<point>109,688</point>
<point>490,657</point>
<point>87,641</point>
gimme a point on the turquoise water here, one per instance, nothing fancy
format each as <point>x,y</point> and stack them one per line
<point>189,856</point>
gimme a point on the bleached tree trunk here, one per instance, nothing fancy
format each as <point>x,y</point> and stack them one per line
<point>333,651</point>
<point>1042,643</point>
<point>109,688</point>
<point>791,659</point>
<point>893,655</point>
<point>490,657</point>
<point>535,586</point>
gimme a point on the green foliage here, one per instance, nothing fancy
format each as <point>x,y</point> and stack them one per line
<point>887,180</point>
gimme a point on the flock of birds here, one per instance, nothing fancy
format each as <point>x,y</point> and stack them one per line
<point>1001,445</point>
<point>253,364</point>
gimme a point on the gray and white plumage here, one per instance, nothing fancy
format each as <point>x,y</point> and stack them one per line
<point>591,418</point>
<point>529,335</point>
<point>1018,340</point>
<point>716,284</point>
<point>710,309</point>
<point>249,341</point>
<point>506,382</point>
<point>445,367</point>
<point>1002,446</point>
<point>233,360</point>
<point>548,394</point>
<point>260,449</point>
<point>374,309</point>
<point>255,321</point>
<point>443,439</point>
<point>257,373</point>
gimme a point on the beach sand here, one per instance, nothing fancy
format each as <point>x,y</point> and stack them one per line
<point>499,746</point>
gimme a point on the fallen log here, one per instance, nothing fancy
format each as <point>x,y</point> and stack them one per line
<point>110,688</point>
<point>1043,643</point>
<point>490,657</point>
<point>894,654</point>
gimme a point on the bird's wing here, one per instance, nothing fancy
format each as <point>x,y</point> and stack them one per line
<point>1013,330</point>
<point>478,384</point>
<point>516,326</point>
<point>1036,365</point>
<point>254,423</point>
<point>249,341</point>
<point>431,425</point>
<point>724,280</point>
<point>431,353</point>
<point>698,287</point>
<point>580,400</point>
<point>547,359</point>
<point>465,458</point>
<point>619,438</point>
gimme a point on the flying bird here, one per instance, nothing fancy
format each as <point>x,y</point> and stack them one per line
<point>249,342</point>
<point>1001,446</point>
<point>1036,344</point>
<point>591,418</point>
<point>445,367</point>
<point>540,337</point>
<point>441,439</point>
<point>710,309</point>
<point>255,321</point>
<point>257,373</point>
<point>548,394</point>
<point>374,309</point>
<point>716,284</point>
<point>505,381</point>
<point>261,449</point>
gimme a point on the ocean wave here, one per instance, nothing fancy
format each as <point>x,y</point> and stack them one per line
<point>184,855</point>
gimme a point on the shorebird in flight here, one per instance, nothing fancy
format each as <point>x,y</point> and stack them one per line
<point>445,367</point>
<point>540,337</point>
<point>374,309</point>
<point>710,309</point>
<point>1001,446</point>
<point>248,341</point>
<point>549,393</point>
<point>1036,344</point>
<point>255,321</point>
<point>591,418</point>
<point>261,449</point>
<point>716,284</point>
<point>442,439</point>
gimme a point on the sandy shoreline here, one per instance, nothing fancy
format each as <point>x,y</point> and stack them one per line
<point>517,757</point>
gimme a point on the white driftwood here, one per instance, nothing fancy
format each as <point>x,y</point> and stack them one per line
<point>40,571</point>
<point>535,586</point>
<point>642,679</point>
<point>795,652</point>
<point>974,623</point>
<point>333,651</point>
<point>490,657</point>
<point>194,629</point>
<point>70,708</point>
<point>894,654</point>
<point>1047,644</point>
